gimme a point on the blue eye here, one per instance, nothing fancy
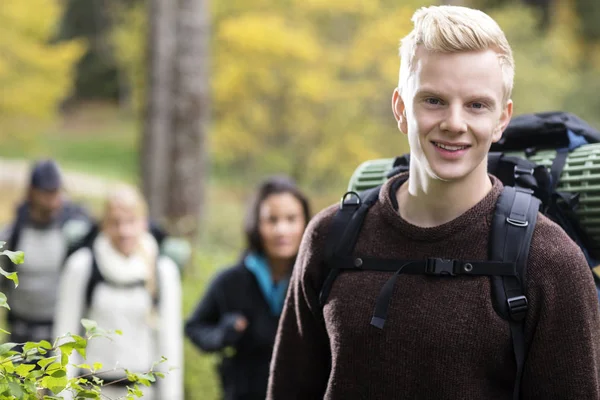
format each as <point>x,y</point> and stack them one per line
<point>477,106</point>
<point>432,101</point>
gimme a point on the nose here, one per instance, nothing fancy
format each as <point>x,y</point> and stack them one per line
<point>124,231</point>
<point>282,227</point>
<point>453,120</point>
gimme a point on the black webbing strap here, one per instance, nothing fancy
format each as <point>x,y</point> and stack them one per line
<point>557,166</point>
<point>383,300</point>
<point>494,162</point>
<point>429,266</point>
<point>512,230</point>
<point>96,278</point>
<point>344,231</point>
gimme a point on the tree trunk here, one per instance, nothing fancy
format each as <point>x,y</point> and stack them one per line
<point>191,113</point>
<point>158,113</point>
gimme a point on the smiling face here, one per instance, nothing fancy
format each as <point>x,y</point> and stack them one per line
<point>452,110</point>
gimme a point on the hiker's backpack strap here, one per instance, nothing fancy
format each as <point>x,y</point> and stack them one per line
<point>344,231</point>
<point>514,221</point>
<point>96,277</point>
<point>401,164</point>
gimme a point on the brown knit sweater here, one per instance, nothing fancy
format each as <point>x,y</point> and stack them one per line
<point>442,338</point>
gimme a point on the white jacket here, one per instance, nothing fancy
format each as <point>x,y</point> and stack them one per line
<point>147,335</point>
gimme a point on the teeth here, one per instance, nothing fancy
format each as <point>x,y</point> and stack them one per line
<point>450,148</point>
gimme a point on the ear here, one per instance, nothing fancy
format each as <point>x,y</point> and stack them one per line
<point>399,109</point>
<point>503,122</point>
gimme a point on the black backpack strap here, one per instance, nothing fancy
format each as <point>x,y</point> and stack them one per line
<point>512,229</point>
<point>95,278</point>
<point>557,166</point>
<point>401,164</point>
<point>344,231</point>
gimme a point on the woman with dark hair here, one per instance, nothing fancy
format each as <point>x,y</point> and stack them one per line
<point>239,313</point>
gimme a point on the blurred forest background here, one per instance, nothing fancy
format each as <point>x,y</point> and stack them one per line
<point>196,101</point>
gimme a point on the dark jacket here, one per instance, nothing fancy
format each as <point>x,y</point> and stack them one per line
<point>234,292</point>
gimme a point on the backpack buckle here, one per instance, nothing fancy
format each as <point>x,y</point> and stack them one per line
<point>522,171</point>
<point>517,307</point>
<point>439,266</point>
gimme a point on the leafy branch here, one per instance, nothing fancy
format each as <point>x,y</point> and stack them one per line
<point>38,370</point>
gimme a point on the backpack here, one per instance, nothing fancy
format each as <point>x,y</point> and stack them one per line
<point>529,187</point>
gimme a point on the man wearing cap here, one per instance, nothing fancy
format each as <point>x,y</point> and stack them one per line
<point>42,228</point>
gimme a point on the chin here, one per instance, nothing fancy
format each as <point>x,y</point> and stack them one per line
<point>284,255</point>
<point>449,173</point>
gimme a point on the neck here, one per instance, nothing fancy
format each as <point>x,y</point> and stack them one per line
<point>280,268</point>
<point>427,202</point>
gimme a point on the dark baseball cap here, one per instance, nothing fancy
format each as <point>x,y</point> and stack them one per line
<point>46,175</point>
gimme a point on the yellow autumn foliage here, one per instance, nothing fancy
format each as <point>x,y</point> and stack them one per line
<point>304,86</point>
<point>34,74</point>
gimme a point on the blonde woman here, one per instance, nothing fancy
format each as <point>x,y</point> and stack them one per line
<point>120,281</point>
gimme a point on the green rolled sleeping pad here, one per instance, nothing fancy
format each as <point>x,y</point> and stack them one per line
<point>581,174</point>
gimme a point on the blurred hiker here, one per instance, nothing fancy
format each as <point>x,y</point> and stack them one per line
<point>239,313</point>
<point>43,227</point>
<point>120,280</point>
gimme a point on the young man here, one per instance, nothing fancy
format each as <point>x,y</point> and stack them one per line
<point>42,228</point>
<point>442,338</point>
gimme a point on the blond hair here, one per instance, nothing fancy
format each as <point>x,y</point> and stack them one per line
<point>452,29</point>
<point>130,198</point>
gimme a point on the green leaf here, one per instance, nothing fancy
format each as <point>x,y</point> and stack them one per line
<point>84,366</point>
<point>53,367</point>
<point>64,359</point>
<point>6,347</point>
<point>30,345</point>
<point>119,332</point>
<point>56,385</point>
<point>44,344</point>
<point>87,394</point>
<point>4,331</point>
<point>16,390</point>
<point>88,324</point>
<point>3,301</point>
<point>44,362</point>
<point>159,374</point>
<point>16,257</point>
<point>8,366</point>
<point>97,366</point>
<point>35,374</point>
<point>67,348</point>
<point>97,380</point>
<point>80,344</point>
<point>59,373</point>
<point>23,369</point>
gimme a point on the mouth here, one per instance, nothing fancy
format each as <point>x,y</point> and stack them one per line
<point>451,147</point>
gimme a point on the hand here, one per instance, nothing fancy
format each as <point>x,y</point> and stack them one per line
<point>241,323</point>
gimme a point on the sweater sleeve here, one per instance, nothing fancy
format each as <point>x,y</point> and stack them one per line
<point>170,335</point>
<point>70,303</point>
<point>208,327</point>
<point>564,323</point>
<point>301,358</point>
